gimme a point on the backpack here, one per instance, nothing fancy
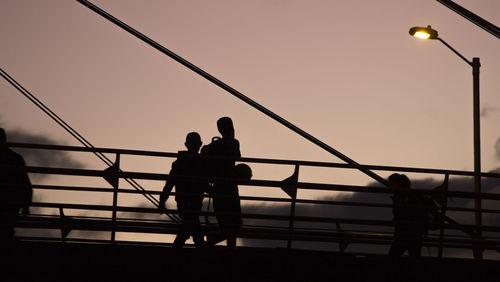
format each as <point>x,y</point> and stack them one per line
<point>210,150</point>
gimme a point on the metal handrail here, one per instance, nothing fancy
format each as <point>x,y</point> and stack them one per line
<point>255,160</point>
<point>278,223</point>
<point>465,195</point>
<point>266,183</point>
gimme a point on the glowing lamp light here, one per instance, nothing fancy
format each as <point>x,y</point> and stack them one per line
<point>422,35</point>
<point>424,32</point>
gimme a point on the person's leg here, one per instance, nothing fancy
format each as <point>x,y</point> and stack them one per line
<point>195,229</point>
<point>7,234</point>
<point>183,231</point>
<point>233,221</point>
<point>415,248</point>
<point>231,232</point>
<point>231,241</point>
<point>219,210</point>
<point>180,239</point>
<point>182,234</point>
<point>397,249</point>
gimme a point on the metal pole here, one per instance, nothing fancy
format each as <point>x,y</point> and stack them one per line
<point>292,211</point>
<point>475,64</point>
<point>229,89</point>
<point>442,229</point>
<point>290,227</point>
<point>115,201</point>
<point>477,152</point>
<point>115,204</point>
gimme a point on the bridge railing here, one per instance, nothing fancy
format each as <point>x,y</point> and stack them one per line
<point>363,218</point>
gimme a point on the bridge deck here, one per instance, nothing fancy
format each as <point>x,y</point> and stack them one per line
<point>42,261</point>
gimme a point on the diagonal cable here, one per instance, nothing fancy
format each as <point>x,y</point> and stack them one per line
<point>75,134</point>
<point>229,89</point>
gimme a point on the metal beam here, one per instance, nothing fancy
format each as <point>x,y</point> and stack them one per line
<point>477,20</point>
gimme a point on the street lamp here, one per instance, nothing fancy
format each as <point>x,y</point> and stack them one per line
<point>429,33</point>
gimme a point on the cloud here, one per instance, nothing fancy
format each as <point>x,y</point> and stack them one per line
<point>44,158</point>
<point>489,185</point>
<point>56,233</point>
<point>487,111</point>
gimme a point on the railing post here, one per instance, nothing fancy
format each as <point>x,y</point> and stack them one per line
<point>65,229</point>
<point>290,227</point>
<point>478,252</point>
<point>290,187</point>
<point>115,204</point>
<point>443,201</point>
<point>441,229</point>
<point>112,176</point>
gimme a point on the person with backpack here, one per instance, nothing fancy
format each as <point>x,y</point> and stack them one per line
<point>189,192</point>
<point>414,214</point>
<point>226,201</point>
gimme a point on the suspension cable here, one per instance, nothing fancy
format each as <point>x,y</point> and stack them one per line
<point>229,89</point>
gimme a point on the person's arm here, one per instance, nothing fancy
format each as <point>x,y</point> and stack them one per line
<point>28,195</point>
<point>27,189</point>
<point>169,185</point>
<point>167,189</point>
<point>237,148</point>
<point>393,189</point>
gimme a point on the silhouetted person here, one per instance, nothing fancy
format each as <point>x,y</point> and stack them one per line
<point>189,193</point>
<point>15,188</point>
<point>226,197</point>
<point>229,210</point>
<point>412,212</point>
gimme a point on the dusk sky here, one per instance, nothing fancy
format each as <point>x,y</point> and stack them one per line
<point>347,72</point>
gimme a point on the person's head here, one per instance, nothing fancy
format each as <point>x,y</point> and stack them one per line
<point>399,182</point>
<point>225,127</point>
<point>243,171</point>
<point>3,138</point>
<point>193,142</point>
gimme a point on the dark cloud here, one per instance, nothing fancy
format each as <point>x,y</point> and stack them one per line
<point>487,111</point>
<point>489,185</point>
<point>45,158</point>
<point>143,215</point>
<point>56,233</point>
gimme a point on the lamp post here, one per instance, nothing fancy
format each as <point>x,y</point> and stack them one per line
<point>429,33</point>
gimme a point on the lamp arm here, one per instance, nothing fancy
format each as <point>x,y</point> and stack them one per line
<point>455,51</point>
